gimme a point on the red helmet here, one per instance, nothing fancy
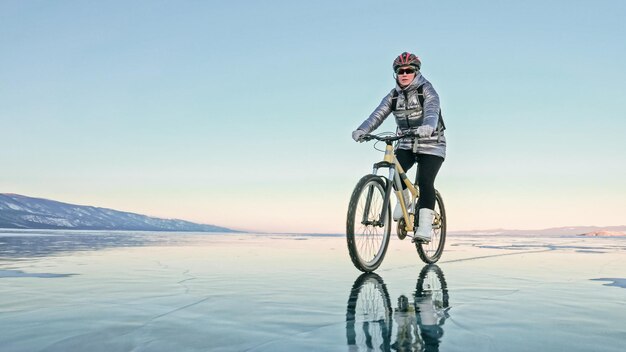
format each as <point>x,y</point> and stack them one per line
<point>405,59</point>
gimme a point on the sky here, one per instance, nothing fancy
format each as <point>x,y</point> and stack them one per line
<point>239,114</point>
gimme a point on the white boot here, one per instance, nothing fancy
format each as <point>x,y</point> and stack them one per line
<point>397,211</point>
<point>425,224</point>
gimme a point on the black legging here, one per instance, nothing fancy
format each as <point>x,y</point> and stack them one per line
<point>428,166</point>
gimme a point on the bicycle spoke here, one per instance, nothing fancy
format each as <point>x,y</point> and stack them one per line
<point>367,244</point>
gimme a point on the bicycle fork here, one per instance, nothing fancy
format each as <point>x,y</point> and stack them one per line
<point>395,177</point>
<point>370,193</point>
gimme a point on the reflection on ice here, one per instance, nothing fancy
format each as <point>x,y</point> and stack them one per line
<point>372,324</point>
<point>133,291</point>
<point>613,282</point>
<point>18,244</point>
<point>19,273</point>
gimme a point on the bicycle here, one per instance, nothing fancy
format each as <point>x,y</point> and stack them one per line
<point>368,227</point>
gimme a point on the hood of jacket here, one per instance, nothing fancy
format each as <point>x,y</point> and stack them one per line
<point>416,82</point>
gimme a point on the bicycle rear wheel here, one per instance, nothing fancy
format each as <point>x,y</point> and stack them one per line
<point>430,252</point>
<point>367,237</point>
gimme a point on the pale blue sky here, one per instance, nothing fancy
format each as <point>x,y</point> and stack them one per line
<point>239,114</point>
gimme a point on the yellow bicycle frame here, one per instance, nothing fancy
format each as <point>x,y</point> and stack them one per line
<point>397,177</point>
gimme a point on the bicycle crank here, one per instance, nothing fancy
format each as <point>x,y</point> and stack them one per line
<point>401,229</point>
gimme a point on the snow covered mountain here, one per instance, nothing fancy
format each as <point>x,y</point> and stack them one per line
<point>21,212</point>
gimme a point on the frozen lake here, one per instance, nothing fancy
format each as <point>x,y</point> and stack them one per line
<point>102,291</point>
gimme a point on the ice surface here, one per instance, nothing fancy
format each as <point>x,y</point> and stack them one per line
<point>19,273</point>
<point>141,291</point>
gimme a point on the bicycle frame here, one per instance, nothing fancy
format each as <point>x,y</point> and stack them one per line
<point>396,176</point>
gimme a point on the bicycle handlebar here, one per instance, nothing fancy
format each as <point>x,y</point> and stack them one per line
<point>369,137</point>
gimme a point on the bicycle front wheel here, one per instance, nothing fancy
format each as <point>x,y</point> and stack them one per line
<point>430,252</point>
<point>367,229</point>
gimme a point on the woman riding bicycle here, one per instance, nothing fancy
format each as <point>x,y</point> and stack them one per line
<point>415,105</point>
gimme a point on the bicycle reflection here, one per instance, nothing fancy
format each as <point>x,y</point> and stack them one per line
<point>373,324</point>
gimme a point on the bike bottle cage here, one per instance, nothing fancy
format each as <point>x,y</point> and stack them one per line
<point>441,126</point>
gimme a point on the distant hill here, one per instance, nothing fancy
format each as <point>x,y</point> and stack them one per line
<point>604,234</point>
<point>21,212</point>
<point>554,231</point>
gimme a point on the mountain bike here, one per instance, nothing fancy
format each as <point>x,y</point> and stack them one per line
<point>369,223</point>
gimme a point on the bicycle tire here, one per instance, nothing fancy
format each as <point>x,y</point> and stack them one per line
<point>430,252</point>
<point>367,247</point>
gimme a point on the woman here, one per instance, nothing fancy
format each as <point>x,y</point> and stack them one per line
<point>415,105</point>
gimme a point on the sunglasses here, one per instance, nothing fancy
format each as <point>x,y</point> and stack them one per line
<point>407,71</point>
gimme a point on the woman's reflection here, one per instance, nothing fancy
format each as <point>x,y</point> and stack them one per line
<point>418,326</point>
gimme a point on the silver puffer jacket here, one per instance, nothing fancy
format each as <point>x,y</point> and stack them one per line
<point>410,115</point>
